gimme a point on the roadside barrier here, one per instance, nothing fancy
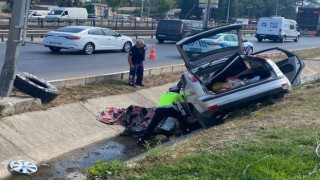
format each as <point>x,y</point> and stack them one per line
<point>33,34</point>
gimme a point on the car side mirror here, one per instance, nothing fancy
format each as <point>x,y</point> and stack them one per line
<point>118,35</point>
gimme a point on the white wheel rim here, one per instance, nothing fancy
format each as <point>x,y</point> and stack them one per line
<point>127,47</point>
<point>24,167</point>
<point>89,49</point>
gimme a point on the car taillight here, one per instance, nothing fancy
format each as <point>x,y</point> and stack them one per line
<point>285,86</point>
<point>71,37</point>
<point>192,78</point>
<point>212,108</point>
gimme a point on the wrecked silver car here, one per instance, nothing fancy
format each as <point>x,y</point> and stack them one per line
<point>223,78</point>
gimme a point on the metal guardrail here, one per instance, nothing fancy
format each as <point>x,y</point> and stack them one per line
<point>32,34</point>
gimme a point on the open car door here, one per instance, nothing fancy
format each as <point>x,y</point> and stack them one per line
<point>291,66</point>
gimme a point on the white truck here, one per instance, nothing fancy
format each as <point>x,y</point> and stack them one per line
<point>277,29</point>
<point>67,13</point>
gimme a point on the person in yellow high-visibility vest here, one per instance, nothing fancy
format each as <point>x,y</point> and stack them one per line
<point>166,108</point>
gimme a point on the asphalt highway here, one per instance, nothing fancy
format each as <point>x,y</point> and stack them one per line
<point>38,60</point>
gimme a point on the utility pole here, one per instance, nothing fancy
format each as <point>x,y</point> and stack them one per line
<point>277,8</point>
<point>141,10</point>
<point>207,15</point>
<point>149,2</point>
<point>9,67</point>
<point>227,21</point>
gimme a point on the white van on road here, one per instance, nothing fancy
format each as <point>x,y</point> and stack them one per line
<point>277,29</point>
<point>66,13</point>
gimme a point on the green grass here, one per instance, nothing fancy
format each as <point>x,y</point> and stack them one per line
<point>264,141</point>
<point>290,155</point>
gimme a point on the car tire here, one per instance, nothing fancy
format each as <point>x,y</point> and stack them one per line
<point>35,87</point>
<point>126,47</point>
<point>259,39</point>
<point>55,49</point>
<point>208,122</point>
<point>160,41</point>
<point>279,96</point>
<point>250,51</point>
<point>297,39</point>
<point>88,48</point>
<point>283,39</point>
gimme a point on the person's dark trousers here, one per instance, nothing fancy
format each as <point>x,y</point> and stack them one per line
<point>161,113</point>
<point>137,70</point>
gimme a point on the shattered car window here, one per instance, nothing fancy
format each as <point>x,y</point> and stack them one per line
<point>211,44</point>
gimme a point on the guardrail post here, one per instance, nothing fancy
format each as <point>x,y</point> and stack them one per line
<point>2,37</point>
<point>122,23</point>
<point>42,23</point>
<point>116,25</point>
<point>147,23</point>
<point>93,22</point>
<point>135,24</point>
<point>108,23</point>
<point>58,21</point>
<point>152,25</point>
<point>31,35</point>
<point>69,22</point>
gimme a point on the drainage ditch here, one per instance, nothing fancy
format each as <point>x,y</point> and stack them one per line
<point>73,164</point>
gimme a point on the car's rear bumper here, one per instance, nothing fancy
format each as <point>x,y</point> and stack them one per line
<point>267,36</point>
<point>168,37</point>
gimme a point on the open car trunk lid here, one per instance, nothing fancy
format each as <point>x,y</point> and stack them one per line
<point>196,51</point>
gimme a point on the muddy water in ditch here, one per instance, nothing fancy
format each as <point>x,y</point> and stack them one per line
<point>73,165</point>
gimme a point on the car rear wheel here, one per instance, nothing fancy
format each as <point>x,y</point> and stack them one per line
<point>283,39</point>
<point>88,48</point>
<point>259,39</point>
<point>297,39</point>
<point>208,122</point>
<point>126,47</point>
<point>55,49</point>
<point>160,41</point>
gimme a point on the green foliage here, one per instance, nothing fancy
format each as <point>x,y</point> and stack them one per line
<point>106,170</point>
<point>114,4</point>
<point>69,3</point>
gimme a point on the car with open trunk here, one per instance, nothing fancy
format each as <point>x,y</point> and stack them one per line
<point>223,78</point>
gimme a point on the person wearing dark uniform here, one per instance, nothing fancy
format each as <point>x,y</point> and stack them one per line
<point>135,59</point>
<point>166,108</point>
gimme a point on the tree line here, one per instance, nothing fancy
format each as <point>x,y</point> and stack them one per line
<point>252,9</point>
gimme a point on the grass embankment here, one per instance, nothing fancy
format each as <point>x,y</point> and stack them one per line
<point>278,141</point>
<point>82,93</point>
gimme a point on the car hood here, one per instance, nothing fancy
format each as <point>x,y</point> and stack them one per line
<point>190,47</point>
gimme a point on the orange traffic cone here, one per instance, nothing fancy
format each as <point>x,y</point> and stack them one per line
<point>153,53</point>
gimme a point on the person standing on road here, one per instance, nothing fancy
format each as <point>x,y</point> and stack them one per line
<point>167,108</point>
<point>135,59</point>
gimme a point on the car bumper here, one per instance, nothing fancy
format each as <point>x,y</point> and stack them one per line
<point>266,36</point>
<point>63,45</point>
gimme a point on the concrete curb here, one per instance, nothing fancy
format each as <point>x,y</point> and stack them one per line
<point>85,80</point>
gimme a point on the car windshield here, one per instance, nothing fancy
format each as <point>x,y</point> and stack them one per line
<point>70,29</point>
<point>211,44</point>
<point>55,12</point>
